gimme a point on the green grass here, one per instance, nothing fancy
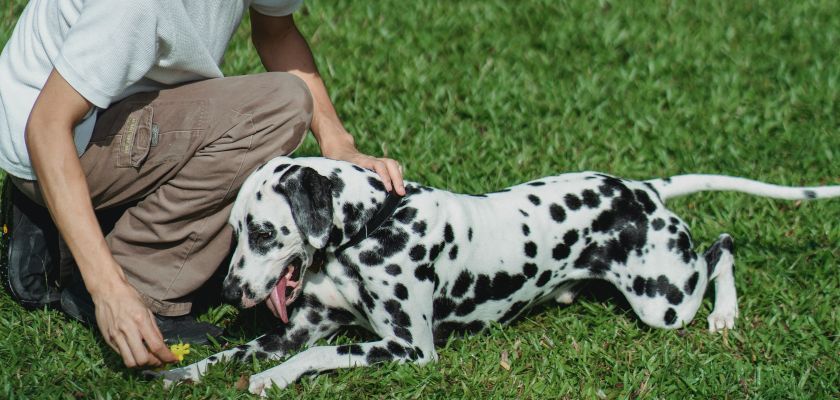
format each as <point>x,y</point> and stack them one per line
<point>475,95</point>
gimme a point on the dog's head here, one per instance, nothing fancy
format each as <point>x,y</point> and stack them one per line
<point>281,217</point>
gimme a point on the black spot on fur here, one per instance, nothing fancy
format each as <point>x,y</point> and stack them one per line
<point>558,214</point>
<point>534,199</point>
<point>684,247</point>
<point>536,183</point>
<point>531,249</point>
<point>376,184</point>
<point>367,299</point>
<point>406,214</point>
<point>659,286</point>
<point>419,228</point>
<point>462,284</point>
<point>279,341</point>
<point>398,316</point>
<point>378,355</point>
<point>337,183</point>
<point>657,224</point>
<point>417,253</point>
<point>442,307</point>
<point>444,330</point>
<point>647,203</point>
<point>371,257</point>
<point>714,253</point>
<point>590,199</point>
<point>560,251</point>
<point>526,230</point>
<point>393,269</point>
<point>353,349</point>
<point>424,272</point>
<point>544,277</point>
<point>571,237</point>
<point>262,237</point>
<point>530,270</point>
<point>572,201</point>
<point>670,316</point>
<point>469,234</point>
<point>400,291</point>
<point>271,283</point>
<point>448,235</point>
<point>691,283</point>
<point>639,285</point>
<point>352,217</point>
<point>502,286</point>
<point>465,308</point>
<point>453,252</point>
<point>340,316</point>
<point>314,318</point>
<point>392,240</point>
<point>291,169</point>
<point>396,349</point>
<point>810,194</point>
<point>434,252</point>
<point>594,257</point>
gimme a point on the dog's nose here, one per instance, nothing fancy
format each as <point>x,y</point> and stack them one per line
<point>232,293</point>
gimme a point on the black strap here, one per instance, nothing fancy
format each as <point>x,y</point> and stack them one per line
<point>384,212</point>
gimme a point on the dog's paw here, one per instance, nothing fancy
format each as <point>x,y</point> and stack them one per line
<point>566,293</point>
<point>172,376</point>
<point>259,383</point>
<point>720,320</point>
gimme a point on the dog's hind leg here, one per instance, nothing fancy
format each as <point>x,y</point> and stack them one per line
<point>720,263</point>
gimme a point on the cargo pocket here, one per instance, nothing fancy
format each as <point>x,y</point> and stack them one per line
<point>134,138</point>
<point>177,130</point>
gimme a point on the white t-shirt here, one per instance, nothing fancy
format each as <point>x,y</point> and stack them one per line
<point>108,50</point>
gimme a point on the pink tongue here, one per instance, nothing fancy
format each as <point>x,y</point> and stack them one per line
<point>278,298</point>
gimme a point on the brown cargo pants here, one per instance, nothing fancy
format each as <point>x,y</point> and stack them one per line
<point>184,153</point>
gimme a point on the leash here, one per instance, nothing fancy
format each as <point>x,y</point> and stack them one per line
<point>384,212</point>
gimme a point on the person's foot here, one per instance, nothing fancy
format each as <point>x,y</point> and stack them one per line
<point>29,267</point>
<point>76,303</point>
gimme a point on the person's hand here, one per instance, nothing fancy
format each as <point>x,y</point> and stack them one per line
<point>129,327</point>
<point>390,170</point>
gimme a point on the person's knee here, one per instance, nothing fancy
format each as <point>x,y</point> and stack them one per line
<point>292,94</point>
<point>282,117</point>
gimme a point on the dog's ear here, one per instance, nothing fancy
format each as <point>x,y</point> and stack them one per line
<point>310,196</point>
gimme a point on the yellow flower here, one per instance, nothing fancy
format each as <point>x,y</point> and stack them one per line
<point>180,350</point>
<point>5,229</point>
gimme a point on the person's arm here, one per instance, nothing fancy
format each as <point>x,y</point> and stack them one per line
<point>125,322</point>
<point>282,48</point>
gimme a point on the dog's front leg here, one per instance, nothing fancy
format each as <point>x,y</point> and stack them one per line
<point>326,358</point>
<point>311,319</point>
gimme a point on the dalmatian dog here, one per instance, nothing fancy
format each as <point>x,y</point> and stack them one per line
<point>324,245</point>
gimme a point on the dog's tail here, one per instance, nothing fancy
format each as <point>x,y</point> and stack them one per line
<point>682,185</point>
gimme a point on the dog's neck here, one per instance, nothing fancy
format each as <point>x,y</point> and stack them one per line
<point>357,197</point>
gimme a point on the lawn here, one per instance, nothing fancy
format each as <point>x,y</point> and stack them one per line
<point>476,95</point>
